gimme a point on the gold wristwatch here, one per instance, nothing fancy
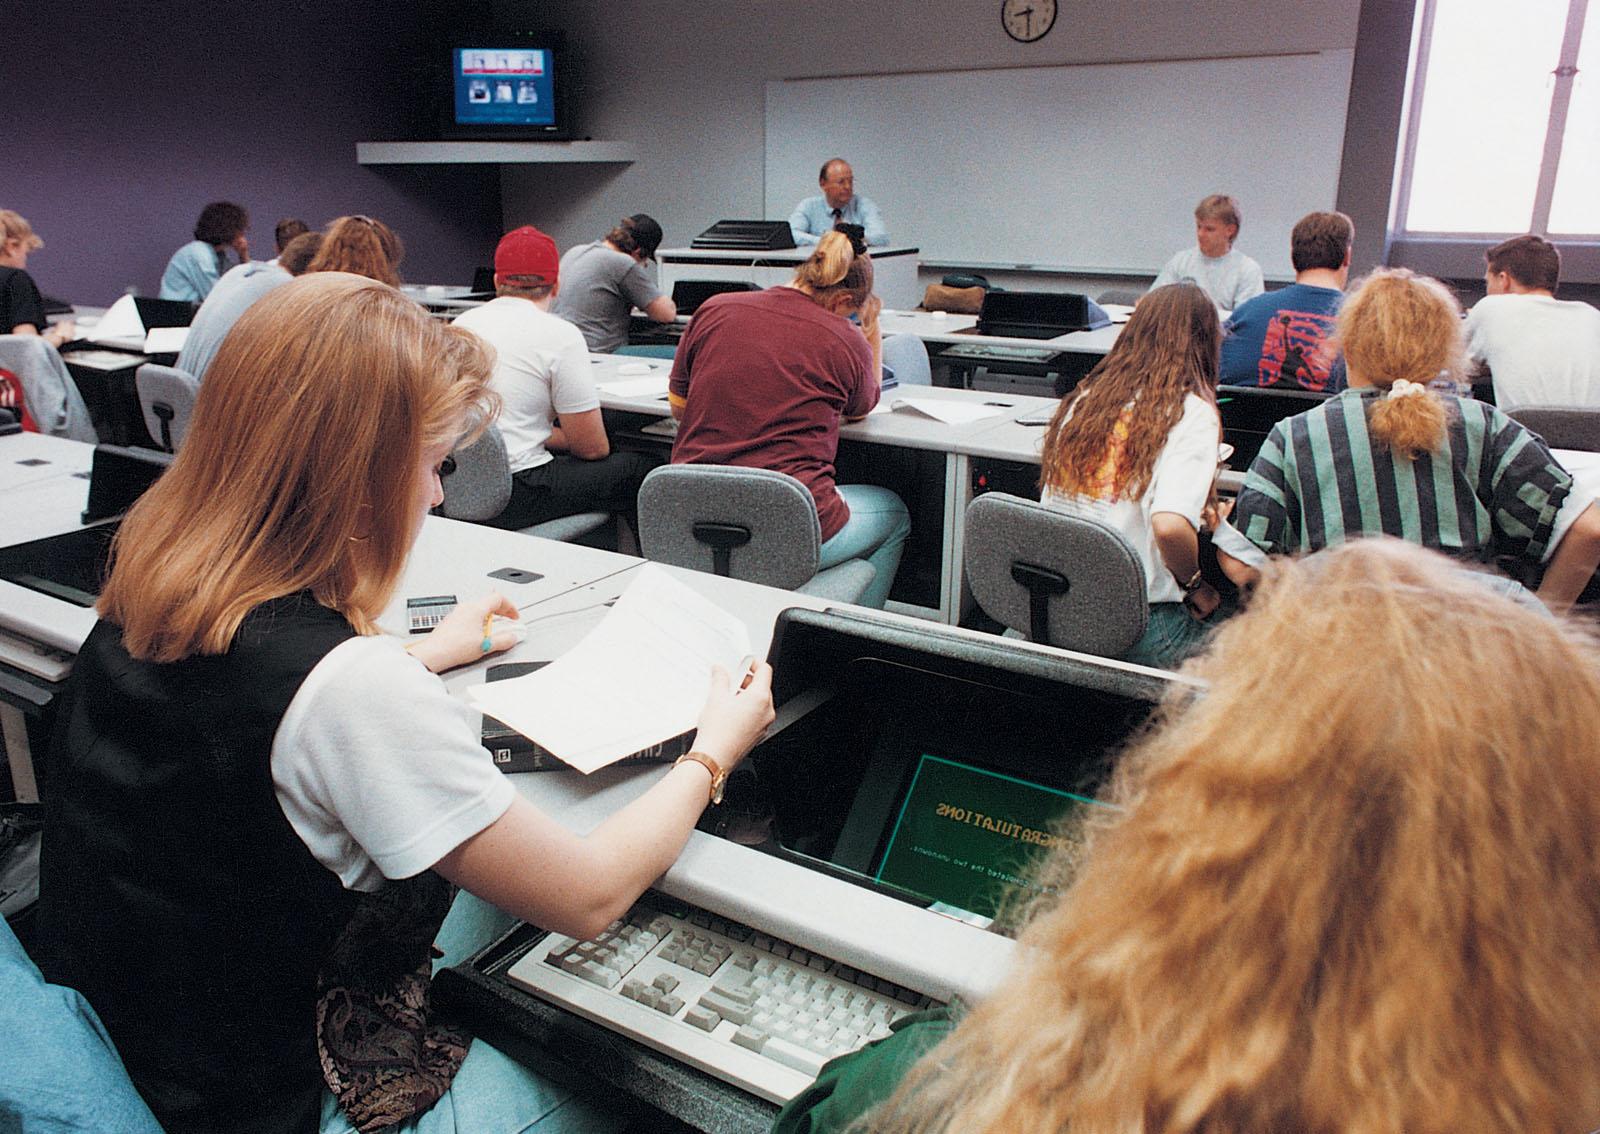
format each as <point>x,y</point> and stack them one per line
<point>719,774</point>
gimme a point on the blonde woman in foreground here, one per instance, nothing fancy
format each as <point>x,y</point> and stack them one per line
<point>1354,888</point>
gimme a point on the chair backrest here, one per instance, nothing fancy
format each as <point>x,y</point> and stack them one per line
<point>1562,427</point>
<point>1063,580</point>
<point>477,479</point>
<point>166,398</point>
<point>1122,296</point>
<point>752,524</point>
<point>48,391</point>
<point>906,356</point>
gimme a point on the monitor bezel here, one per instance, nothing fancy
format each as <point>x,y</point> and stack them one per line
<point>561,130</point>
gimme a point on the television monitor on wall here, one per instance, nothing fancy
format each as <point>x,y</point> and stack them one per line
<point>506,85</point>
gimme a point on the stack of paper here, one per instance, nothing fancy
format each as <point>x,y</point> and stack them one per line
<point>639,678</point>
<point>950,412</point>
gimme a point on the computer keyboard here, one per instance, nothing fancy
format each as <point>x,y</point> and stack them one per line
<point>749,1008</point>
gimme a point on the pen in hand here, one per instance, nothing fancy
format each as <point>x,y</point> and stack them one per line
<point>488,626</point>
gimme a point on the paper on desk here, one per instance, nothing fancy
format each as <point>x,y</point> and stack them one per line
<point>165,340</point>
<point>121,321</point>
<point>949,412</point>
<point>653,385</point>
<point>1117,312</point>
<point>638,678</point>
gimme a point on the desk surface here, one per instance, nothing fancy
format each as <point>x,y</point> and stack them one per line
<point>914,947</point>
<point>773,255</point>
<point>943,327</point>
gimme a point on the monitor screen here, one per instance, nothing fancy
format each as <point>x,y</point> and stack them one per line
<point>504,86</point>
<point>930,787</point>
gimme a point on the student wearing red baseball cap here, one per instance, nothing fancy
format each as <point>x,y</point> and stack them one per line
<point>561,459</point>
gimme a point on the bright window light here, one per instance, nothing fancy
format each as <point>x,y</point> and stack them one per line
<point>1575,208</point>
<point>1484,113</point>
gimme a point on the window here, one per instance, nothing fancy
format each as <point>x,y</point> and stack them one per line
<point>1504,129</point>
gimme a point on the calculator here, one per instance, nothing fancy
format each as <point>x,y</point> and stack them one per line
<point>423,614</point>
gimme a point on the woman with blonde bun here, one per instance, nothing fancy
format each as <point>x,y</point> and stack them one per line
<point>1335,898</point>
<point>1392,455</point>
<point>762,379</point>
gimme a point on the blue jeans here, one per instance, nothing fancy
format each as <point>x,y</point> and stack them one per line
<point>1171,636</point>
<point>876,531</point>
<point>492,1093</point>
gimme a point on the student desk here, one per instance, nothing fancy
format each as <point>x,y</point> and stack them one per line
<point>862,928</point>
<point>894,268</point>
<point>928,462</point>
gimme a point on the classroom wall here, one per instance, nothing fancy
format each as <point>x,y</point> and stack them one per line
<point>683,84</point>
<point>123,120</point>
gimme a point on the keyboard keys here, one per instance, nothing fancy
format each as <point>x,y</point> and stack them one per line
<point>728,983</point>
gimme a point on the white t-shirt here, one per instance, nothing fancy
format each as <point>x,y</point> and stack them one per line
<point>1542,351</point>
<point>1180,483</point>
<point>1229,279</point>
<point>541,370</point>
<point>378,769</point>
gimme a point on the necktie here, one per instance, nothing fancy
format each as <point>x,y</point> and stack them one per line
<point>836,215</point>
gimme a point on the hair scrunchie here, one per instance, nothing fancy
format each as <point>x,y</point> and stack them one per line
<point>1405,389</point>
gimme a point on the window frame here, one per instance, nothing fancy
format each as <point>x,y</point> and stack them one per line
<point>1459,254</point>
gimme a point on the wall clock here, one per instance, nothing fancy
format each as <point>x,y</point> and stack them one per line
<point>1027,20</point>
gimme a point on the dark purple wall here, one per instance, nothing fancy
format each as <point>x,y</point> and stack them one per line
<point>123,120</point>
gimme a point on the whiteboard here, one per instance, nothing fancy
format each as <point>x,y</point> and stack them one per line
<point>1094,167</point>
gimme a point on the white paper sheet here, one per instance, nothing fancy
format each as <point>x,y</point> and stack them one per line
<point>166,340</point>
<point>636,387</point>
<point>951,412</point>
<point>121,321</point>
<point>640,677</point>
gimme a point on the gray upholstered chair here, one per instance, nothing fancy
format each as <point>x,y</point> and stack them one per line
<point>1121,296</point>
<point>166,397</point>
<point>906,357</point>
<point>1061,580</point>
<point>48,391</point>
<point>1562,427</point>
<point>477,488</point>
<point>752,524</point>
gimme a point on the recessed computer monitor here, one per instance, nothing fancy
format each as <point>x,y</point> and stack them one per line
<point>506,85</point>
<point>929,766</point>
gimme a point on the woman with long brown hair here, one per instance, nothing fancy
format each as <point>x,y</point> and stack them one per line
<point>1354,888</point>
<point>362,245</point>
<point>1134,446</point>
<point>1390,454</point>
<point>258,801</point>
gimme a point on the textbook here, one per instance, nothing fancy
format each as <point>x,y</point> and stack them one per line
<point>630,691</point>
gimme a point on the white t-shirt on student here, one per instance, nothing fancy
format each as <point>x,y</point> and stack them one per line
<point>378,769</point>
<point>1180,483</point>
<point>1229,279</point>
<point>1542,351</point>
<point>541,370</point>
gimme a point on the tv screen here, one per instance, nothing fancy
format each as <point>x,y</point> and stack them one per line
<point>510,86</point>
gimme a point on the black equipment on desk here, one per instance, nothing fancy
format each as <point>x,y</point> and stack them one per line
<point>119,476</point>
<point>746,236</point>
<point>482,284</point>
<point>882,729</point>
<point>163,312</point>
<point>1038,314</point>
<point>1249,413</point>
<point>688,295</point>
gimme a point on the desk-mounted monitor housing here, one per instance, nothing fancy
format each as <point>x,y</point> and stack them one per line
<point>505,86</point>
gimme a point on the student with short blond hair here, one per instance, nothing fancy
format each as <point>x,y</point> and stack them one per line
<point>21,304</point>
<point>1224,273</point>
<point>1354,887</point>
<point>1391,455</point>
<point>1540,350</point>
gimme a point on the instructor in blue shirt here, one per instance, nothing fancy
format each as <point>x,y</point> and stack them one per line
<point>837,202</point>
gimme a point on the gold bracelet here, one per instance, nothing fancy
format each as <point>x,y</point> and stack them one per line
<point>719,776</point>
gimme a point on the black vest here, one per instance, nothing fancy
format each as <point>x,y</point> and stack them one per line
<point>174,893</point>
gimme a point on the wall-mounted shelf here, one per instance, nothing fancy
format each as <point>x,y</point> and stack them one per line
<point>492,153</point>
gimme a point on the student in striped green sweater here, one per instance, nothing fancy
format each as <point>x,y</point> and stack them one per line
<point>1389,455</point>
